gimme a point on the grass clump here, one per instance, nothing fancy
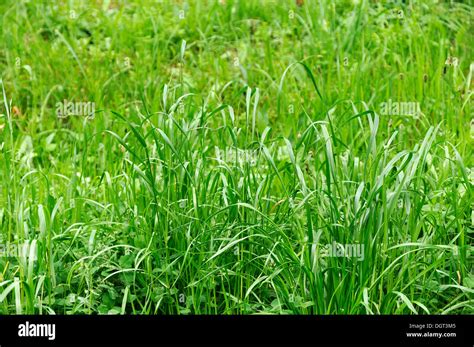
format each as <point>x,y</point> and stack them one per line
<point>239,158</point>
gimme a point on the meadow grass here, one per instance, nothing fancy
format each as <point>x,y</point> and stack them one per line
<point>232,147</point>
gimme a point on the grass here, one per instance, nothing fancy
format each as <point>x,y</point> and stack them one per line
<point>231,142</point>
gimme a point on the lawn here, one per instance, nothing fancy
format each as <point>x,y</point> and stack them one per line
<point>236,157</point>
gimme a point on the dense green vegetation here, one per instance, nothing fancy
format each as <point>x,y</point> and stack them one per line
<point>228,149</point>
